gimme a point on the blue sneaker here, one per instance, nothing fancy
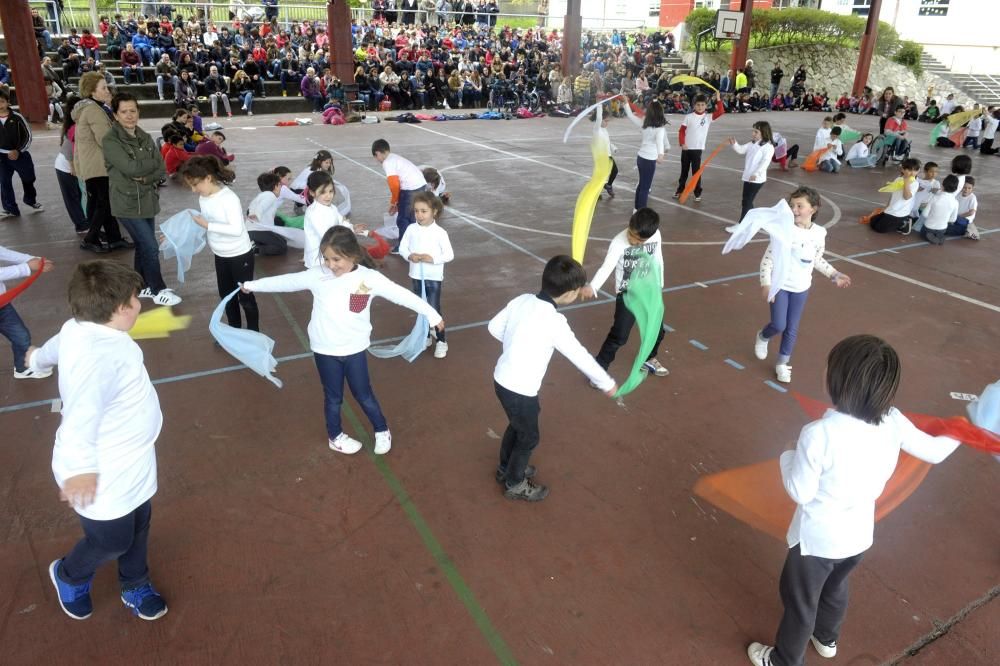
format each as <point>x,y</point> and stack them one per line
<point>74,599</point>
<point>145,602</point>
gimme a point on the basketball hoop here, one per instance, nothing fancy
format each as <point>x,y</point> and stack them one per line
<point>730,35</point>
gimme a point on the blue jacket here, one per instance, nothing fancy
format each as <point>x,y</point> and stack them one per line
<point>140,40</point>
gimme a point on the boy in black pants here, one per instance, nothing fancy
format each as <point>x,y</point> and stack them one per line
<point>642,235</point>
<point>15,139</point>
<point>530,329</point>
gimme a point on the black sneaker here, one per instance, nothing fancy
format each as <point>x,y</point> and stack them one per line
<point>527,491</point>
<point>610,190</point>
<point>122,245</point>
<point>96,248</point>
<point>36,206</point>
<point>8,213</point>
<point>529,472</point>
<point>677,195</point>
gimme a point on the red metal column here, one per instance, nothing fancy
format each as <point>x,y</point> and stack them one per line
<point>867,48</point>
<point>22,54</point>
<point>572,32</point>
<point>741,47</point>
<point>338,21</point>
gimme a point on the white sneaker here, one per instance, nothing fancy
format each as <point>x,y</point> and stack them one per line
<point>654,366</point>
<point>760,654</point>
<point>344,444</point>
<point>28,373</point>
<point>249,113</point>
<point>732,228</point>
<point>166,297</point>
<point>971,231</point>
<point>784,373</point>
<point>440,349</point>
<point>825,651</point>
<point>760,346</point>
<point>383,442</point>
<point>146,293</point>
<point>243,108</point>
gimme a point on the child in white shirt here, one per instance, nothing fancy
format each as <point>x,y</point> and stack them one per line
<point>404,180</point>
<point>973,130</point>
<point>530,329</point>
<point>990,124</point>
<point>427,247</point>
<point>896,216</point>
<point>859,156</point>
<point>262,211</point>
<point>11,325</point>
<point>838,469</point>
<point>926,186</point>
<point>759,151</point>
<point>941,212</point>
<point>222,217</point>
<point>624,253</point>
<point>320,216</point>
<point>104,459</point>
<point>823,134</point>
<point>967,205</point>
<point>806,255</point>
<point>692,136</point>
<point>828,161</point>
<point>601,136</point>
<point>340,327</point>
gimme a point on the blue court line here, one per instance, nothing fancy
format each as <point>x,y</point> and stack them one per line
<point>729,278</point>
<point>698,345</point>
<point>735,364</point>
<point>776,387</point>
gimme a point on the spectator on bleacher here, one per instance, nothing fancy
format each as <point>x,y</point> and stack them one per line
<point>244,89</point>
<point>114,43</point>
<point>165,44</point>
<point>216,88</point>
<point>91,47</point>
<point>310,87</point>
<point>131,64</point>
<point>142,46</point>
<point>42,35</point>
<point>186,91</point>
<point>166,73</point>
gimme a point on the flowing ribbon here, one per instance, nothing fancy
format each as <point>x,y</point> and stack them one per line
<point>585,113</point>
<point>755,495</point>
<point>955,134</point>
<point>586,202</point>
<point>894,186</point>
<point>812,162</point>
<point>158,323</point>
<point>689,188</point>
<point>644,299</point>
<point>251,348</point>
<point>778,222</point>
<point>182,238</point>
<point>689,80</point>
<point>9,295</point>
<point>413,344</point>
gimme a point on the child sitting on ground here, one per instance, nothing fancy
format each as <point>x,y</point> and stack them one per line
<point>262,210</point>
<point>941,213</point>
<point>967,205</point>
<point>896,216</point>
<point>436,184</point>
<point>214,147</point>
<point>828,161</point>
<point>926,186</point>
<point>173,152</point>
<point>531,328</point>
<point>859,156</point>
<point>104,459</point>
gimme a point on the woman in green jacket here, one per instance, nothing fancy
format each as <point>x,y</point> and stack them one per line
<point>135,168</point>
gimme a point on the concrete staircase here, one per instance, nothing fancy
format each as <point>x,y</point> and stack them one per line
<point>982,88</point>
<point>676,63</point>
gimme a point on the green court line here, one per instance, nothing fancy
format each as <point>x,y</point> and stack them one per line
<point>437,551</point>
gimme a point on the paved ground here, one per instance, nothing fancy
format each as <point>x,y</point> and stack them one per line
<point>271,549</point>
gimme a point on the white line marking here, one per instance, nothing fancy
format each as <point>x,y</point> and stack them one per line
<point>968,397</point>
<point>918,283</point>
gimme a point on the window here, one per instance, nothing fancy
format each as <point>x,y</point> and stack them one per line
<point>654,7</point>
<point>933,8</point>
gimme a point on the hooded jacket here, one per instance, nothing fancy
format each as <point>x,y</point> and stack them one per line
<point>92,123</point>
<point>128,158</point>
<point>15,133</point>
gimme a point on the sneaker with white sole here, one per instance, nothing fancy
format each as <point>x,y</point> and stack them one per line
<point>760,346</point>
<point>971,231</point>
<point>342,443</point>
<point>440,349</point>
<point>760,654</point>
<point>37,207</point>
<point>166,297</point>
<point>145,602</point>
<point>383,442</point>
<point>783,372</point>
<point>74,599</point>
<point>655,367</point>
<point>28,373</point>
<point>527,490</point>
<point>824,650</point>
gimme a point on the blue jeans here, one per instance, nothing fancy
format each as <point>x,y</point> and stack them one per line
<point>333,370</point>
<point>24,167</point>
<point>647,168</point>
<point>404,211</point>
<point>69,187</point>
<point>433,290</point>
<point>247,98</point>
<point>786,312</point>
<point>128,70</point>
<point>830,166</point>
<point>12,328</point>
<point>123,539</point>
<point>147,251</point>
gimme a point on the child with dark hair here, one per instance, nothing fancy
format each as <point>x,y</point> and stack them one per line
<point>692,137</point>
<point>427,247</point>
<point>967,205</point>
<point>530,329</point>
<point>287,194</point>
<point>896,215</point>
<point>436,184</point>
<point>322,161</point>
<point>802,255</point>
<point>222,217</point>
<point>829,161</point>
<point>838,469</point>
<point>343,288</point>
<point>404,179</point>
<point>652,148</point>
<point>214,147</point>
<point>961,166</point>
<point>173,152</point>
<point>263,210</point>
<point>321,215</point>
<point>624,253</point>
<point>941,212</point>
<point>601,135</point>
<point>759,151</point>
<point>104,459</point>
<point>15,139</point>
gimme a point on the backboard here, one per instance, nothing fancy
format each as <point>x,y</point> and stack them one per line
<point>728,24</point>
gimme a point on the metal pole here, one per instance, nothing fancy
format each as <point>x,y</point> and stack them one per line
<point>94,23</point>
<point>867,48</point>
<point>697,47</point>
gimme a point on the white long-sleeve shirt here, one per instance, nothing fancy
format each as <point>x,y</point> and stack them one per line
<point>299,182</point>
<point>758,158</point>
<point>18,269</point>
<point>975,127</point>
<point>432,240</point>
<point>318,220</point>
<point>340,324</point>
<point>287,195</point>
<point>654,139</point>
<point>926,187</point>
<point>858,151</point>
<point>623,257</point>
<point>227,230</point>
<point>941,210</point>
<point>110,415</point>
<point>822,138</point>
<point>807,248</point>
<point>838,469</point>
<point>694,128</point>
<point>990,127</point>
<point>530,329</point>
<point>263,207</point>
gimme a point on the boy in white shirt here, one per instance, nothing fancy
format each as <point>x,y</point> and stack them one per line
<point>941,212</point>
<point>404,179</point>
<point>104,458</point>
<point>838,469</point>
<point>967,204</point>
<point>692,136</point>
<point>11,325</point>
<point>926,186</point>
<point>973,130</point>
<point>829,162</point>
<point>823,134</point>
<point>641,236</point>
<point>262,210</point>
<point>530,329</point>
<point>896,215</point>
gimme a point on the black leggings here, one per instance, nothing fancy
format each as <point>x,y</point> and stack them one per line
<point>614,174</point>
<point>99,215</point>
<point>229,273</point>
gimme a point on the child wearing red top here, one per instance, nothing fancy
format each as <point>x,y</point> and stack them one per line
<point>173,153</point>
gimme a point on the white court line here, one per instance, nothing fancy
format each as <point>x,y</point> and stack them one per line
<point>918,283</point>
